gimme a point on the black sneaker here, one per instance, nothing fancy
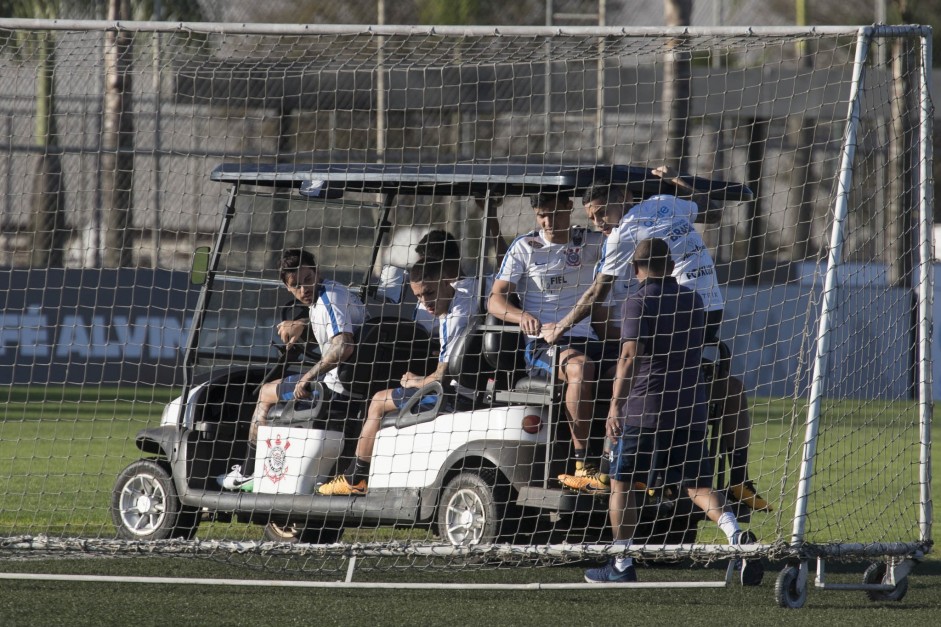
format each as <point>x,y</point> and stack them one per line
<point>752,571</point>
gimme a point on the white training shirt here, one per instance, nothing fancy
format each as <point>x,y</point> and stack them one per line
<point>550,278</point>
<point>335,310</point>
<point>671,219</point>
<point>426,320</point>
<point>452,324</point>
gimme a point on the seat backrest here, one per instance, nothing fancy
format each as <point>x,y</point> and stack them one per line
<point>386,348</point>
<point>466,361</point>
<point>503,350</point>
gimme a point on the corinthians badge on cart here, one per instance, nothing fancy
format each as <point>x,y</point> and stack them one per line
<point>276,459</point>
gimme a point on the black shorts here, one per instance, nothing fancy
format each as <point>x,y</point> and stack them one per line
<point>713,322</point>
<point>679,455</point>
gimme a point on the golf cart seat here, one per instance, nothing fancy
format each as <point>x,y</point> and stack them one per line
<point>466,365</point>
<point>386,348</point>
<point>503,350</point>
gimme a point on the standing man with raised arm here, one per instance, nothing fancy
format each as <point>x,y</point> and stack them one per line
<point>657,418</point>
<point>547,269</point>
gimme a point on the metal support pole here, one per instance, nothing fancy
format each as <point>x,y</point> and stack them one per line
<point>599,115</point>
<point>835,258</point>
<point>925,291</point>
<point>157,190</point>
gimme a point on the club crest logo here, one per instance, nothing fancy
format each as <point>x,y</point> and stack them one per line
<point>573,257</point>
<point>275,466</point>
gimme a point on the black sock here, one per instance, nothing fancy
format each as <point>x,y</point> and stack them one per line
<point>738,466</point>
<point>357,471</point>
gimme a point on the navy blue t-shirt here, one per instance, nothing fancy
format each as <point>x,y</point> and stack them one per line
<point>668,322</point>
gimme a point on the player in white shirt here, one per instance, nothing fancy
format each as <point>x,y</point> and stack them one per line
<point>547,270</point>
<point>672,219</point>
<point>453,304</point>
<point>336,314</point>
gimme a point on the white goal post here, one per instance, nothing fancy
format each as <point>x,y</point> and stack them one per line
<point>154,173</point>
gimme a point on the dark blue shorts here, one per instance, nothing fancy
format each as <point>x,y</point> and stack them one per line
<point>679,455</point>
<point>452,402</point>
<point>539,359</point>
<point>286,388</point>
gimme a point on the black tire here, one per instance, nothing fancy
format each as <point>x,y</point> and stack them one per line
<point>295,534</point>
<point>875,574</point>
<point>145,505</point>
<point>469,513</point>
<point>786,591</point>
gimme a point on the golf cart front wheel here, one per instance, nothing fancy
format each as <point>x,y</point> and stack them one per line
<point>145,505</point>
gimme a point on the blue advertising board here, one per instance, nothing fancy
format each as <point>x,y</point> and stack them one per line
<point>93,326</point>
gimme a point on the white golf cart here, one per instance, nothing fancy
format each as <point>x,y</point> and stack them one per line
<point>475,476</point>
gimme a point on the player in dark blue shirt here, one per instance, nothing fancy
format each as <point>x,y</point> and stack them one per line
<point>658,408</point>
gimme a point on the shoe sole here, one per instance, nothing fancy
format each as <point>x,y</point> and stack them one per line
<point>748,501</point>
<point>585,489</point>
<point>589,580</point>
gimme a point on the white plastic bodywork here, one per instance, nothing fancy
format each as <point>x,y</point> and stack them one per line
<point>171,413</point>
<point>294,461</point>
<point>412,457</point>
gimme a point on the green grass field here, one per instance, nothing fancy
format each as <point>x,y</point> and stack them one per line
<point>61,449</point>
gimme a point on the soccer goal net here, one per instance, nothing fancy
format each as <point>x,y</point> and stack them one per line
<point>155,176</point>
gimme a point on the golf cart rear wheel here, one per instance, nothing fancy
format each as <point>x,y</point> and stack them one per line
<point>294,534</point>
<point>145,505</point>
<point>469,513</point>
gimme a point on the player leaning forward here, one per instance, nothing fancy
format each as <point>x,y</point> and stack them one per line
<point>671,219</point>
<point>657,418</point>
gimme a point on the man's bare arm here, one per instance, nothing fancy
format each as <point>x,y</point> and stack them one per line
<point>623,381</point>
<point>412,380</point>
<point>596,293</point>
<point>710,212</point>
<point>338,350</point>
<point>500,306</point>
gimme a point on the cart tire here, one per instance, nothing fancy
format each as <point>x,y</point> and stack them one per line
<point>145,505</point>
<point>786,591</point>
<point>876,573</point>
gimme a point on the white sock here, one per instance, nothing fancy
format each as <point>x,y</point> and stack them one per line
<point>623,563</point>
<point>729,525</point>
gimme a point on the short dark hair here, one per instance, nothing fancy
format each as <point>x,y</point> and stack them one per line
<point>428,269</point>
<point>293,259</point>
<point>654,254</point>
<point>605,191</point>
<point>548,199</point>
<point>438,244</point>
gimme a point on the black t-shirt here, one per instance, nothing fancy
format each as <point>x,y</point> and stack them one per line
<point>668,322</point>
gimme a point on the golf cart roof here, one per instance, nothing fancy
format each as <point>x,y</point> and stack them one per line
<point>463,179</point>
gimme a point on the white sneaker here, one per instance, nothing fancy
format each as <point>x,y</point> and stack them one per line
<point>235,480</point>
